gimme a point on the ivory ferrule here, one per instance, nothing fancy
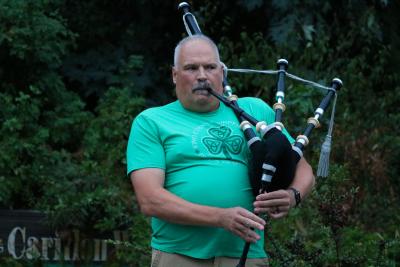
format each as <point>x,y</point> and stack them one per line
<point>314,121</point>
<point>260,126</point>
<point>302,139</point>
<point>244,125</point>
<point>232,98</point>
<point>280,106</point>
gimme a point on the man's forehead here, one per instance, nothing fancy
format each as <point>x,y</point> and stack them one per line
<point>198,51</point>
<point>197,46</point>
<point>199,62</point>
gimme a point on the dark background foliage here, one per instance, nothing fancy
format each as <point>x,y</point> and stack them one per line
<point>74,74</point>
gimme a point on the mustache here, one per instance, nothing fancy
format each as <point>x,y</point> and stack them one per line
<point>202,86</point>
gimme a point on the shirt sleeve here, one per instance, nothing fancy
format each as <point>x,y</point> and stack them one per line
<point>144,148</point>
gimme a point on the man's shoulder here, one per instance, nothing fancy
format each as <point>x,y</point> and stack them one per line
<point>252,101</point>
<point>155,112</point>
<point>257,108</point>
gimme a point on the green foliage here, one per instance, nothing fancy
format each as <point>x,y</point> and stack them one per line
<point>55,155</point>
<point>322,233</point>
<point>137,251</point>
<point>95,175</point>
<point>33,31</point>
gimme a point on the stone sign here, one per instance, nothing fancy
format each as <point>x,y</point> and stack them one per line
<point>25,236</point>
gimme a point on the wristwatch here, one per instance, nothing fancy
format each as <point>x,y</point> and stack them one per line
<point>297,196</point>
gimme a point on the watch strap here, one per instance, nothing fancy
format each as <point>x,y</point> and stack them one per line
<point>297,196</point>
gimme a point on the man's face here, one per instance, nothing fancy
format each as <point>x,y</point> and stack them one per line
<point>198,69</point>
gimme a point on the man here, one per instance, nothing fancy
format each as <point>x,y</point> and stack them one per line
<point>188,165</point>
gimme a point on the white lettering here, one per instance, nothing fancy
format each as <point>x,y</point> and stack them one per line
<point>47,242</point>
<point>75,257</point>
<point>11,242</point>
<point>67,247</point>
<point>32,250</point>
<point>103,250</point>
<point>67,250</point>
<point>96,252</point>
<point>57,248</point>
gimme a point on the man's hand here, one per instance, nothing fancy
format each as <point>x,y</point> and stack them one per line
<point>241,222</point>
<point>276,204</point>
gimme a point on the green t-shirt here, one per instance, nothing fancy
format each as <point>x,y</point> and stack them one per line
<point>205,157</point>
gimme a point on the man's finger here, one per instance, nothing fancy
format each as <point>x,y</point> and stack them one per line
<point>251,218</point>
<point>248,235</point>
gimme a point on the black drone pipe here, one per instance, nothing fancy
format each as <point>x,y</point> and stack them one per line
<point>189,19</point>
<point>279,107</point>
<point>313,122</point>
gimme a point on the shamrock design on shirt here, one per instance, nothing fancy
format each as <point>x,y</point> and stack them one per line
<point>221,140</point>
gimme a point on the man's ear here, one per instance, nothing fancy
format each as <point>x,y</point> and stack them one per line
<point>173,70</point>
<point>222,71</point>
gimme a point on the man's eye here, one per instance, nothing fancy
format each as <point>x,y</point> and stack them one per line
<point>211,67</point>
<point>191,68</point>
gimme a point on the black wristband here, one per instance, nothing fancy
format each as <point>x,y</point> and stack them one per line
<point>297,196</point>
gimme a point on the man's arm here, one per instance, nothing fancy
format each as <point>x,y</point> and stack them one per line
<point>278,203</point>
<point>303,181</point>
<point>154,200</point>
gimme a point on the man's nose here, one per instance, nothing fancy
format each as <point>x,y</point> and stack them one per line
<point>202,74</point>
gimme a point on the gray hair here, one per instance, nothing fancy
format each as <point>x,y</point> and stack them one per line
<point>191,38</point>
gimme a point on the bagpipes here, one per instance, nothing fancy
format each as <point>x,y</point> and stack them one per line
<point>274,159</point>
